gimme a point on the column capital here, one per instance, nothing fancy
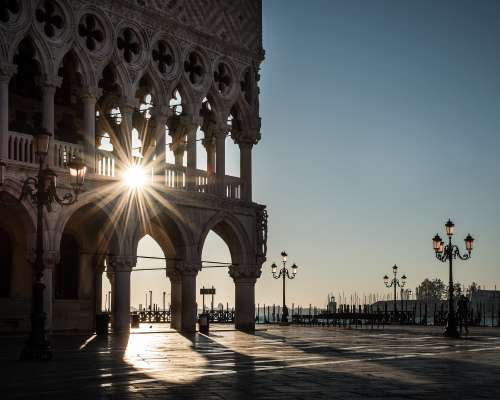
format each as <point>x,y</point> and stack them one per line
<point>90,93</point>
<point>122,263</point>
<point>7,71</point>
<point>127,105</point>
<point>49,81</point>
<point>244,273</point>
<point>188,268</point>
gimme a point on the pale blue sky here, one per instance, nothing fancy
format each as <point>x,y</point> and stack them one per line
<point>380,119</point>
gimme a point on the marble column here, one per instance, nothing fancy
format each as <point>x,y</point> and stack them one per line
<point>189,310</point>
<point>89,98</point>
<point>220,159</point>
<point>175,300</point>
<point>6,73</point>
<point>246,169</point>
<point>209,143</point>
<point>124,150</point>
<point>159,132</point>
<point>121,267</point>
<point>49,87</point>
<point>244,281</point>
<point>50,259</point>
<point>191,130</point>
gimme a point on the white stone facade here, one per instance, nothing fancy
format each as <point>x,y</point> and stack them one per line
<point>114,80</point>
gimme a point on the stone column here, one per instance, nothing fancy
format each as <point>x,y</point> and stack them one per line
<point>244,280</point>
<point>220,159</point>
<point>124,150</point>
<point>99,270</point>
<point>6,73</point>
<point>121,267</point>
<point>49,86</point>
<point>175,299</point>
<point>209,143</point>
<point>160,121</point>
<point>89,98</point>
<point>50,259</point>
<point>246,169</point>
<point>191,155</point>
<point>189,309</point>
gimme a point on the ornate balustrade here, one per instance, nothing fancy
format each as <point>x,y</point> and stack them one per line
<point>20,149</point>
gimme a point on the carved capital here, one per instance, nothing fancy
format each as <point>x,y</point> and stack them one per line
<point>7,71</point>
<point>244,273</point>
<point>49,82</point>
<point>184,268</point>
<point>90,93</point>
<point>122,263</point>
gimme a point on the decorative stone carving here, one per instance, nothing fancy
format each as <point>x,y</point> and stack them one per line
<point>163,57</point>
<point>128,44</point>
<point>91,32</point>
<point>9,9</point>
<point>50,17</point>
<point>122,263</point>
<point>223,79</point>
<point>246,272</point>
<point>261,231</point>
<point>194,68</point>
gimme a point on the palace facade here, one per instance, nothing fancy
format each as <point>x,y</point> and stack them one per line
<point>128,84</point>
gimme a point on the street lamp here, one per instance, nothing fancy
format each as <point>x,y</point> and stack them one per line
<point>448,253</point>
<point>284,273</point>
<point>42,191</point>
<point>395,282</point>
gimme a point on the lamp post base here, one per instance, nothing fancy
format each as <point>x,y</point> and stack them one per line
<point>37,347</point>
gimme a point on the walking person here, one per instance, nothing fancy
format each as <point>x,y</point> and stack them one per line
<point>463,313</point>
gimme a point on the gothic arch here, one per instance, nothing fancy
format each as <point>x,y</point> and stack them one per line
<point>157,89</point>
<point>84,66</point>
<point>232,232</point>
<point>43,54</point>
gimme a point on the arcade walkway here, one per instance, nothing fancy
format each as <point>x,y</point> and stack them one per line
<point>277,363</point>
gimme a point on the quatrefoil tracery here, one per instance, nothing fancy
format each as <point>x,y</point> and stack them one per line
<point>194,68</point>
<point>129,44</point>
<point>89,30</point>
<point>163,57</point>
<point>7,9</point>
<point>222,78</point>
<point>49,16</point>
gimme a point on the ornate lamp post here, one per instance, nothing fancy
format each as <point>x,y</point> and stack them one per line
<point>395,282</point>
<point>283,273</point>
<point>42,191</point>
<point>448,253</point>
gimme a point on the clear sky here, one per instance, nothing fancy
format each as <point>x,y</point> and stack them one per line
<point>380,120</point>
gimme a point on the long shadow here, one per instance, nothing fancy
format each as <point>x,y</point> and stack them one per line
<point>99,371</point>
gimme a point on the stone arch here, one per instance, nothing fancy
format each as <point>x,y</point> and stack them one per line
<point>232,232</point>
<point>43,53</point>
<point>88,207</point>
<point>86,69</point>
<point>169,231</point>
<point>156,88</point>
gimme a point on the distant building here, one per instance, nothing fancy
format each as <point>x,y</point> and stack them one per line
<point>487,298</point>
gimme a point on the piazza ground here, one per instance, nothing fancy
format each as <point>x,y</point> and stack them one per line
<point>275,363</point>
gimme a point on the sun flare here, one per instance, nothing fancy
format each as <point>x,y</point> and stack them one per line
<point>135,177</point>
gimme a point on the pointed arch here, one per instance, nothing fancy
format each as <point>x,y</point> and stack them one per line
<point>43,53</point>
<point>85,68</point>
<point>230,229</point>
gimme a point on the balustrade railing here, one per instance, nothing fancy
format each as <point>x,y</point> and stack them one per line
<point>64,152</point>
<point>20,149</point>
<point>233,187</point>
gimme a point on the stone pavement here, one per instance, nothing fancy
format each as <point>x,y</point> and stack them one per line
<point>276,363</point>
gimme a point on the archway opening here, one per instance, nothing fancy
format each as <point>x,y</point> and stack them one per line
<point>150,287</point>
<point>216,259</point>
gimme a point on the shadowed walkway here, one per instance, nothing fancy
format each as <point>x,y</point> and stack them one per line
<point>280,363</point>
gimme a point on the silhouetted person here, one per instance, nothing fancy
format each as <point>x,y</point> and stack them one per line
<point>463,313</point>
<point>284,314</point>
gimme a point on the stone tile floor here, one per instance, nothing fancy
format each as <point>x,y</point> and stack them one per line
<point>275,363</point>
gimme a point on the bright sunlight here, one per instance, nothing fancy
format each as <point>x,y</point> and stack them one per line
<point>135,177</point>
